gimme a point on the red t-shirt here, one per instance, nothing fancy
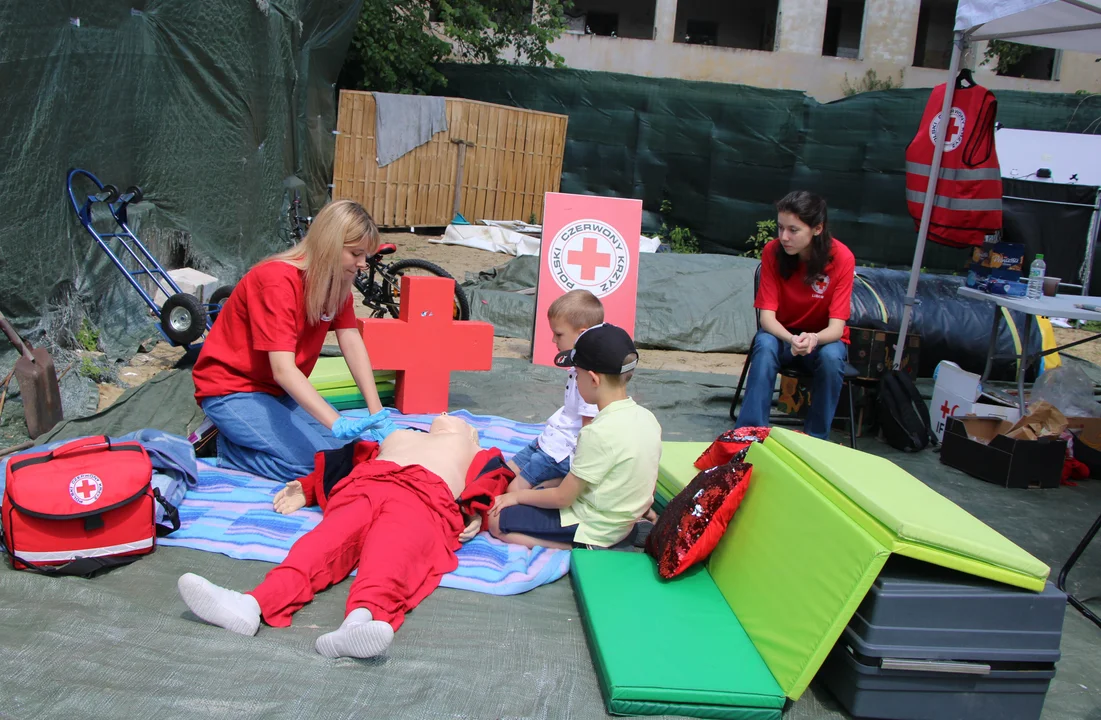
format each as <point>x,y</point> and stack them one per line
<point>266,313</point>
<point>807,308</point>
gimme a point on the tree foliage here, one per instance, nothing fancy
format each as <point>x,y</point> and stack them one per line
<point>398,43</point>
<point>1007,54</point>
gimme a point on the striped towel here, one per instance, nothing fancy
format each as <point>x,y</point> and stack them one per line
<point>230,512</point>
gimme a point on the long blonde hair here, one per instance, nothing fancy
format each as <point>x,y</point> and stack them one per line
<point>320,255</point>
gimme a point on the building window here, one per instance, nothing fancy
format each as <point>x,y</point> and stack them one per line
<point>933,48</point>
<point>601,23</point>
<point>1037,63</point>
<point>612,18</point>
<point>844,28</point>
<point>701,32</point>
<point>749,24</point>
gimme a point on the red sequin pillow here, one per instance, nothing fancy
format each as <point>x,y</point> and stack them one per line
<point>696,518</point>
<point>728,446</point>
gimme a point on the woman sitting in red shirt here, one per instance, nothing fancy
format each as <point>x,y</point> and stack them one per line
<point>803,298</point>
<point>251,378</point>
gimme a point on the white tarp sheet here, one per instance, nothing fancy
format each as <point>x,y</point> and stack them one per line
<point>500,239</point>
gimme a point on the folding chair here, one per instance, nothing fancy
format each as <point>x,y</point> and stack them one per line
<point>846,386</point>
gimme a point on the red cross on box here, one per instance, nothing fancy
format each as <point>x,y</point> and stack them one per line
<point>425,344</point>
<point>589,258</point>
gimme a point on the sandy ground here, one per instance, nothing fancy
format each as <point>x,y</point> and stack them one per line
<point>459,261</point>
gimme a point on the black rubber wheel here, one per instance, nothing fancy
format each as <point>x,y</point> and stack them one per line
<point>108,194</point>
<point>183,319</point>
<point>218,299</point>
<point>413,265</point>
<point>136,194</point>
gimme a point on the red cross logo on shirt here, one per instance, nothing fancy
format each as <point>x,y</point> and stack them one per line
<point>589,258</point>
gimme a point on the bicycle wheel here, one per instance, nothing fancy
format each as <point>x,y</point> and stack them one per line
<point>393,273</point>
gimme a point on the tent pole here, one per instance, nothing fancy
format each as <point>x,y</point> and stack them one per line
<point>930,195</point>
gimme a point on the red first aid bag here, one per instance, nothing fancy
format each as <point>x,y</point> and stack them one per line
<point>83,507</point>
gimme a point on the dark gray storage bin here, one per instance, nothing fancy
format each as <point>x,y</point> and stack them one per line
<point>932,644</point>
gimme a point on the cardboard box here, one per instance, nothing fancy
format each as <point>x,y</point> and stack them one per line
<point>957,392</point>
<point>1087,442</point>
<point>871,352</point>
<point>979,447</point>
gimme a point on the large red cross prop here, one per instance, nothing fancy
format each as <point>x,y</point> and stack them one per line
<point>425,344</point>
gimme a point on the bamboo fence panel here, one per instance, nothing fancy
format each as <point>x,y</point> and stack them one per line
<point>512,159</point>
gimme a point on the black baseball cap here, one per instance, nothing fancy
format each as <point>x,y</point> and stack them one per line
<point>603,349</point>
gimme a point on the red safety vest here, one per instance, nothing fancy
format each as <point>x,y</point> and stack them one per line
<point>968,204</point>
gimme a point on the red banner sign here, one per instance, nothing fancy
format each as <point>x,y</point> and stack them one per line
<point>589,243</point>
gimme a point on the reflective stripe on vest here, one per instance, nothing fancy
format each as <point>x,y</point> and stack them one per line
<point>962,174</point>
<point>951,203</point>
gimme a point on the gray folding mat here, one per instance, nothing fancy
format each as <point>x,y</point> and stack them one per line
<point>124,645</point>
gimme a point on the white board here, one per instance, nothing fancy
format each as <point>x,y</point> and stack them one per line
<point>1022,152</point>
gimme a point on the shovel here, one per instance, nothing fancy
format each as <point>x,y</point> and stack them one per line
<point>37,383</point>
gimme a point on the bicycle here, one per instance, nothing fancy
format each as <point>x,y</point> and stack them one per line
<point>380,283</point>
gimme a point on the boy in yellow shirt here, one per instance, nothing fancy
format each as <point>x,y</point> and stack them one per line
<point>615,467</point>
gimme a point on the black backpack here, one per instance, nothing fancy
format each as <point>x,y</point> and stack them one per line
<point>903,415</point>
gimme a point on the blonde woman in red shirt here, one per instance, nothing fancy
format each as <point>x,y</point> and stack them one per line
<point>252,375</point>
<point>803,298</point>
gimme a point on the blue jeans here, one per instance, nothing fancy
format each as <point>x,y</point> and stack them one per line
<point>769,354</point>
<point>536,466</point>
<point>266,435</point>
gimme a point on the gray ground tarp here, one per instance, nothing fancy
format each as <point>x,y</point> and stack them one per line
<point>702,303</point>
<point>123,645</point>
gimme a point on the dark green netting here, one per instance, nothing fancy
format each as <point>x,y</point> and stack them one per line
<point>722,154</point>
<point>217,109</point>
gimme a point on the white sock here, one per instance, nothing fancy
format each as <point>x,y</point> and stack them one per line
<point>231,610</point>
<point>358,636</point>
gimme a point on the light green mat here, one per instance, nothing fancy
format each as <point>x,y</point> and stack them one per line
<point>700,663</point>
<point>793,568</point>
<point>332,372</point>
<point>675,470</point>
<point>906,515</point>
<point>344,394</point>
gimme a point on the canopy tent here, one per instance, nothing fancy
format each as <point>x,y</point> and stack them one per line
<point>1060,24</point>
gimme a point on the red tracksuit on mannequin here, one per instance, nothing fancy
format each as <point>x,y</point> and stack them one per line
<point>399,525</point>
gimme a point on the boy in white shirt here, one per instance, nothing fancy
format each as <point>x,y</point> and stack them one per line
<point>548,457</point>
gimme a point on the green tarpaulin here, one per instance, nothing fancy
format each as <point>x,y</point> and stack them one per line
<point>217,109</point>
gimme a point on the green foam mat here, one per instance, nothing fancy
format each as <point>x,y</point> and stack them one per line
<point>701,663</point>
<point>333,372</point>
<point>793,568</point>
<point>675,470</point>
<point>921,522</point>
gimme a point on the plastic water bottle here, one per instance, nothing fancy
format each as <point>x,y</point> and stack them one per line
<point>1036,277</point>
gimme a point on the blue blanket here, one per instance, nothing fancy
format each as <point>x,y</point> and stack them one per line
<point>230,512</point>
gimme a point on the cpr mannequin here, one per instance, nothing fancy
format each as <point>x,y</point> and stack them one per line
<point>394,516</point>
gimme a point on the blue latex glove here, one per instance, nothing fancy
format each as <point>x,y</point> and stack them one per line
<point>376,427</point>
<point>350,427</point>
<point>379,432</point>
